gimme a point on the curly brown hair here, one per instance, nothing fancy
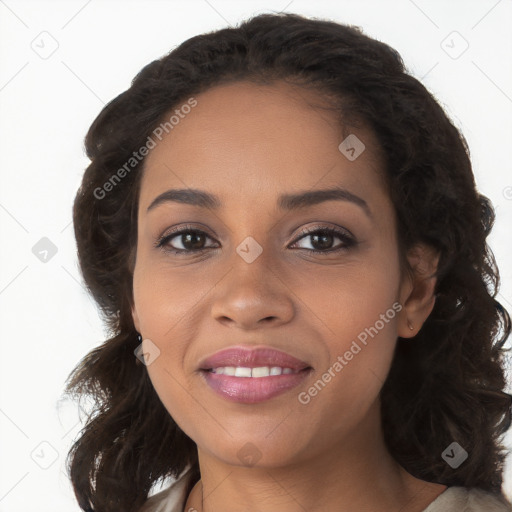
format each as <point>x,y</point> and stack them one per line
<point>447,385</point>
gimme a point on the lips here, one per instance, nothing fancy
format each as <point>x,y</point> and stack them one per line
<point>252,358</point>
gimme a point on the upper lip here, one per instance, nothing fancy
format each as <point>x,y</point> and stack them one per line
<point>252,358</point>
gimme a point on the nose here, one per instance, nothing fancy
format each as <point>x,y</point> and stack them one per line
<point>252,295</point>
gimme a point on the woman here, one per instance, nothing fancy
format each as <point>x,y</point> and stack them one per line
<point>282,230</point>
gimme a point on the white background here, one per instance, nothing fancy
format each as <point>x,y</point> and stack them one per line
<point>46,105</point>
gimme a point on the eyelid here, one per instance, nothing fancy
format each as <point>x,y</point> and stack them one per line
<point>326,227</point>
<point>178,230</point>
<point>184,228</point>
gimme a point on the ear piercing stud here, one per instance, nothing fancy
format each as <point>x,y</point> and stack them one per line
<point>410,326</point>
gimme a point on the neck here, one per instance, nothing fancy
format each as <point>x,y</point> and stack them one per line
<point>356,476</point>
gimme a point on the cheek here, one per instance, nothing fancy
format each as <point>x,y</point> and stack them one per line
<point>169,306</point>
<point>342,302</point>
<point>166,298</point>
<point>360,343</point>
<point>355,310</point>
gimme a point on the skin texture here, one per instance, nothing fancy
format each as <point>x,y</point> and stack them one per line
<point>248,144</point>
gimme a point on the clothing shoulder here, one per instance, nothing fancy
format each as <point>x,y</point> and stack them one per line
<point>462,499</point>
<point>453,499</point>
<point>171,499</point>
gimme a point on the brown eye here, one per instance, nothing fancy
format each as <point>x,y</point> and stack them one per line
<point>184,241</point>
<point>190,241</point>
<point>322,240</point>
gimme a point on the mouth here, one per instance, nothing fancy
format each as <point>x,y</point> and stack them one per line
<point>249,375</point>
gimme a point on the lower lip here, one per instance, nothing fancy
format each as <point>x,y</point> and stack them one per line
<point>251,390</point>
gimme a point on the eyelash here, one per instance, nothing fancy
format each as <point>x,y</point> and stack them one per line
<point>348,241</point>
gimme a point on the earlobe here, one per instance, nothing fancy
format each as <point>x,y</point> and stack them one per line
<point>418,290</point>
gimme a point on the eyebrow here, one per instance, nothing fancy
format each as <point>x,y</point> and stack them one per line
<point>288,202</point>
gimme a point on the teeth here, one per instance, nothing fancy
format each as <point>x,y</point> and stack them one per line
<point>242,372</point>
<point>261,371</point>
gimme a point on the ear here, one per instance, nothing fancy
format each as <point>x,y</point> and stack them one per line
<point>132,258</point>
<point>135,318</point>
<point>417,290</point>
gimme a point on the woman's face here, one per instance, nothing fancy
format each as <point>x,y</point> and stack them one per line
<point>257,281</point>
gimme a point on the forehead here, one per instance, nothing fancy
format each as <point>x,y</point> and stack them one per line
<point>244,141</point>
